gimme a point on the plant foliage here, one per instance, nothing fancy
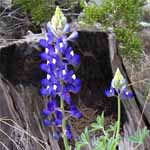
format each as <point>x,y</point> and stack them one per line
<point>39,10</point>
<point>139,136</point>
<point>124,16</point>
<point>42,10</point>
<point>105,140</point>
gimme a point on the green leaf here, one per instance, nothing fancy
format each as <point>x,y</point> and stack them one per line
<point>99,123</point>
<point>84,139</point>
<point>139,136</point>
<point>112,143</point>
<point>100,144</point>
<point>112,127</point>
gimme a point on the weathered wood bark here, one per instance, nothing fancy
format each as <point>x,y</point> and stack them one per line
<point>133,109</point>
<point>20,101</point>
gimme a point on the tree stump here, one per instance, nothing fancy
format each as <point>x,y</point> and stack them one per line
<point>21,104</point>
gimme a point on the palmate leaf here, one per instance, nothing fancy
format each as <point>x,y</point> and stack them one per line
<point>112,127</point>
<point>99,123</point>
<point>101,143</point>
<point>112,143</point>
<point>84,139</point>
<point>139,136</point>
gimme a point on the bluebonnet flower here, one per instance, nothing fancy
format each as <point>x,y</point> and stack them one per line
<point>118,86</point>
<point>60,81</point>
<point>126,94</point>
<point>110,92</point>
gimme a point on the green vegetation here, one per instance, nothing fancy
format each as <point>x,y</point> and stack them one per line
<point>42,10</point>
<point>38,10</point>
<point>106,139</point>
<point>124,17</point>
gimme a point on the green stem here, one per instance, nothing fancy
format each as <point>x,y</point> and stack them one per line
<point>119,116</point>
<point>64,127</point>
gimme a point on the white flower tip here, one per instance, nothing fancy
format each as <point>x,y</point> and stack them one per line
<point>48,76</point>
<point>64,72</point>
<point>54,61</point>
<point>46,50</point>
<point>74,76</point>
<point>47,87</point>
<point>61,45</point>
<point>48,62</point>
<point>72,53</point>
<point>54,86</point>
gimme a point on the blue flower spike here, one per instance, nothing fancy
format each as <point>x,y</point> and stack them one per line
<point>119,85</point>
<point>60,80</point>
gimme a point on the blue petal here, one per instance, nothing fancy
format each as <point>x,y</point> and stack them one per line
<point>47,122</point>
<point>44,66</point>
<point>59,114</point>
<point>46,112</point>
<point>61,45</point>
<point>44,56</point>
<point>68,132</point>
<point>44,91</point>
<point>50,37</point>
<point>58,122</point>
<point>45,82</point>
<point>73,36</point>
<point>110,92</point>
<point>75,112</point>
<point>76,60</point>
<point>67,98</point>
<point>43,43</point>
<point>66,28</point>
<point>50,29</point>
<point>127,94</point>
<point>52,105</point>
<point>47,68</point>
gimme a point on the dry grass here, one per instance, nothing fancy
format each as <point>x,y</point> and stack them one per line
<point>12,124</point>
